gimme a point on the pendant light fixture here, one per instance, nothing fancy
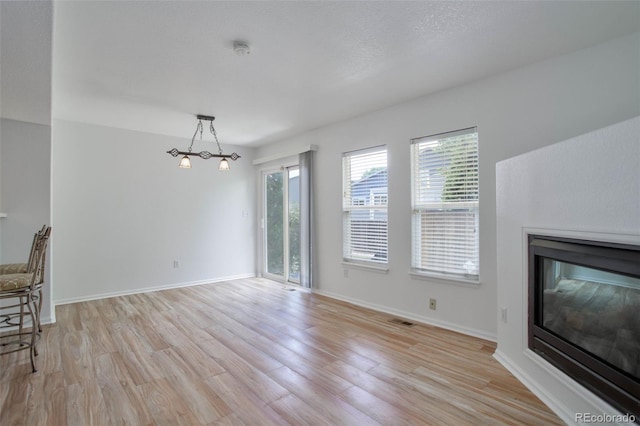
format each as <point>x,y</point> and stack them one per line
<point>185,162</point>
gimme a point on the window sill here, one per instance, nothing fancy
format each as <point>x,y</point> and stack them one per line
<point>366,267</point>
<point>446,279</point>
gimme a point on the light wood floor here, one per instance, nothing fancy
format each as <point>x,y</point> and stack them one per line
<point>249,352</point>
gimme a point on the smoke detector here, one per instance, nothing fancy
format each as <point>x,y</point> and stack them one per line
<point>241,48</point>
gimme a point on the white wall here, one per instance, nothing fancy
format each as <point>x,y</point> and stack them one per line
<point>515,112</point>
<point>25,157</point>
<point>587,187</point>
<point>123,212</point>
<point>26,29</point>
<point>24,185</point>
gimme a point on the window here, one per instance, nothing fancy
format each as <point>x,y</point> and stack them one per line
<point>380,199</point>
<point>445,222</point>
<point>364,205</point>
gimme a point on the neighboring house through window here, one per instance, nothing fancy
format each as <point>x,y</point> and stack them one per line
<point>445,221</point>
<point>364,206</point>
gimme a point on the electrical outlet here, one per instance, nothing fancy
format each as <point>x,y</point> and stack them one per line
<point>345,271</point>
<point>432,304</point>
<point>503,314</point>
<point>176,264</point>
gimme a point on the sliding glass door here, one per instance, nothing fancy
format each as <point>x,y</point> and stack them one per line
<point>281,220</point>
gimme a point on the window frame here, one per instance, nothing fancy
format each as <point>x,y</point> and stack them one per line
<point>464,213</point>
<point>358,203</point>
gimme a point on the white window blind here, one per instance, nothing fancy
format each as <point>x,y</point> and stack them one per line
<point>445,240</point>
<point>364,205</point>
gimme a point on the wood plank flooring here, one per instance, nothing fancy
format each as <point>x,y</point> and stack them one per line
<point>249,352</point>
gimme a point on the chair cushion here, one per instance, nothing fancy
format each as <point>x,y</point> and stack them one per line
<point>13,268</point>
<point>15,281</point>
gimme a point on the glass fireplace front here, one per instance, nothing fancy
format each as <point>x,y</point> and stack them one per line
<point>584,314</point>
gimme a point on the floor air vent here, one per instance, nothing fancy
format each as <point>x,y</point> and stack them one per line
<point>288,289</point>
<point>401,322</point>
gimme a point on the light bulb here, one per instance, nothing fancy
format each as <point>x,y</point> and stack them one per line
<point>185,163</point>
<point>224,165</point>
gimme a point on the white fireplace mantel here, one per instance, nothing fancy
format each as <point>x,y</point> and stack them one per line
<point>585,187</point>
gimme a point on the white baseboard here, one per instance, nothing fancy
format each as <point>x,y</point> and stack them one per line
<point>565,414</point>
<point>148,289</point>
<point>553,399</point>
<point>408,315</point>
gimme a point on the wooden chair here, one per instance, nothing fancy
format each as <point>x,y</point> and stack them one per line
<point>24,292</point>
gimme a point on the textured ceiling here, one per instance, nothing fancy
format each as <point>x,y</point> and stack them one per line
<point>151,66</point>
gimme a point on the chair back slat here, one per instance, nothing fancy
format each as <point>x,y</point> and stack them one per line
<point>36,264</point>
<point>33,244</point>
<point>40,271</point>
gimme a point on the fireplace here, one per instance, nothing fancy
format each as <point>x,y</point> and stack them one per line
<point>584,314</point>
